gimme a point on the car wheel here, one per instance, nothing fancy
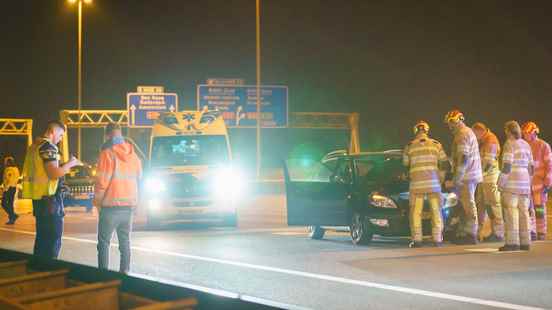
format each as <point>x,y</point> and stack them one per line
<point>360,231</point>
<point>316,232</point>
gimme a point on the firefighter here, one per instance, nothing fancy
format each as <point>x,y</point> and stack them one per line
<point>467,174</point>
<point>10,179</point>
<point>487,194</point>
<point>515,186</point>
<point>116,195</point>
<point>41,174</point>
<point>541,181</point>
<point>425,157</point>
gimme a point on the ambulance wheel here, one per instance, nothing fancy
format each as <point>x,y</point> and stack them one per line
<point>316,232</point>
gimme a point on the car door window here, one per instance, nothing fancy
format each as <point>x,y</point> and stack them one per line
<point>343,172</point>
<point>303,171</point>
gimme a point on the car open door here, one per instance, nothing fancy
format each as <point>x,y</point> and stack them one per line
<point>318,194</point>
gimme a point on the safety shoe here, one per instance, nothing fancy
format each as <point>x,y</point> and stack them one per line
<point>541,237</point>
<point>438,244</point>
<point>12,220</point>
<point>508,248</point>
<point>493,238</point>
<point>415,244</point>
<point>524,247</point>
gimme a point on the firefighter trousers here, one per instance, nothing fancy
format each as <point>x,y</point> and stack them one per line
<point>537,211</point>
<point>416,210</point>
<point>488,203</point>
<point>516,218</point>
<point>466,194</point>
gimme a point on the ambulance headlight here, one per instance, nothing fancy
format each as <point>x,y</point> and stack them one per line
<point>154,185</point>
<point>229,184</point>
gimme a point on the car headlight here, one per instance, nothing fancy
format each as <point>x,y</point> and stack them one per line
<point>229,184</point>
<point>155,185</point>
<point>381,201</point>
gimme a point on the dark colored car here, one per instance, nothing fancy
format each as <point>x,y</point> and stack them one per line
<point>365,193</point>
<point>79,187</point>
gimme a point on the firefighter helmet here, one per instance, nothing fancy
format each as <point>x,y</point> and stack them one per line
<point>454,116</point>
<point>530,128</point>
<point>421,125</point>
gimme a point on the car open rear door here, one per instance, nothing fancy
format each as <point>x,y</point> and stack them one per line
<point>317,194</point>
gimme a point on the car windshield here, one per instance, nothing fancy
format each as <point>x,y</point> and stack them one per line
<point>381,169</point>
<point>189,150</point>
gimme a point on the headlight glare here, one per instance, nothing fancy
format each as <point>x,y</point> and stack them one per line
<point>381,201</point>
<point>229,184</point>
<point>155,185</point>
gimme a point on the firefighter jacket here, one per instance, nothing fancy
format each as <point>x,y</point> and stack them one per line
<point>542,157</point>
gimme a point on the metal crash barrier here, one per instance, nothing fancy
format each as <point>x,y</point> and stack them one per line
<point>28,282</point>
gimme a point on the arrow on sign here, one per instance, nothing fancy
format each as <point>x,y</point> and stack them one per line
<point>133,112</point>
<point>171,108</point>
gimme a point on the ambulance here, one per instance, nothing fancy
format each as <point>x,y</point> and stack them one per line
<point>190,177</point>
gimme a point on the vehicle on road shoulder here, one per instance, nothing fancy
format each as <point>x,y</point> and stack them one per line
<point>365,193</point>
<point>190,177</point>
<point>79,187</point>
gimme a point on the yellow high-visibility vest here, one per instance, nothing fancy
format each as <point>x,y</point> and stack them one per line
<point>36,183</point>
<point>11,177</point>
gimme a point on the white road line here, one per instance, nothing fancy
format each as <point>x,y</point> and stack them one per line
<point>400,289</point>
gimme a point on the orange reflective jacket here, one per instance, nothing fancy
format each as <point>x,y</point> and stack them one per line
<point>117,175</point>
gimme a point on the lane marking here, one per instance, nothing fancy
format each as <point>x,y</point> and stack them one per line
<point>400,289</point>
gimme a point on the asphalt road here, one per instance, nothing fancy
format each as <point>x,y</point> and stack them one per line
<point>266,259</point>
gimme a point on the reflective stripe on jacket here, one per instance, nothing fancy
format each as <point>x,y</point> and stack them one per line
<point>422,156</point>
<point>489,149</point>
<point>517,153</point>
<point>465,144</point>
<point>118,172</point>
<point>542,157</point>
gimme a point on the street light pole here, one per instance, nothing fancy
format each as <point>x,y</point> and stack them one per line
<point>258,39</point>
<point>79,66</point>
<point>79,77</point>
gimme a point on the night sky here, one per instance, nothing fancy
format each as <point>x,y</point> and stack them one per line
<point>393,61</point>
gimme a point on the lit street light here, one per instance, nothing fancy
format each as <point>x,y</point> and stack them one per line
<point>79,66</point>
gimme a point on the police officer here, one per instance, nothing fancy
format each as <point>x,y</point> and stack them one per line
<point>424,157</point>
<point>542,179</point>
<point>515,186</point>
<point>41,174</point>
<point>487,194</point>
<point>467,173</point>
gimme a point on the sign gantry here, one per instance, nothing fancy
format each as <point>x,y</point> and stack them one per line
<point>17,127</point>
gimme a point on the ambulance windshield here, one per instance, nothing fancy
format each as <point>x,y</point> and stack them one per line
<point>189,150</point>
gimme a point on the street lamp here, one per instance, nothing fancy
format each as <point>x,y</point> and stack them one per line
<point>79,67</point>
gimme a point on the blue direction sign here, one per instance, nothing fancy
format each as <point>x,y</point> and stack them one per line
<point>238,104</point>
<point>144,108</point>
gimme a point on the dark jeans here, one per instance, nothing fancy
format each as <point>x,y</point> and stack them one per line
<point>114,219</point>
<point>49,229</point>
<point>7,202</point>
